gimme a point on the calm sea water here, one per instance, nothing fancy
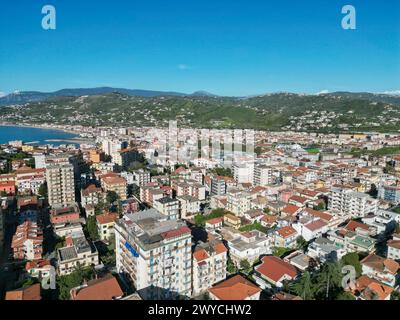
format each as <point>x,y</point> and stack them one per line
<point>38,136</point>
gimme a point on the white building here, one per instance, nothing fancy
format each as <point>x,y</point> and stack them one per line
<point>347,201</point>
<point>155,255</point>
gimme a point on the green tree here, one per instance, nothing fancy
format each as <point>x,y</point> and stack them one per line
<point>231,267</point>
<point>43,190</point>
<point>302,244</point>
<point>245,266</point>
<point>111,197</point>
<point>352,259</point>
<point>91,228</point>
<point>304,287</point>
<point>329,281</point>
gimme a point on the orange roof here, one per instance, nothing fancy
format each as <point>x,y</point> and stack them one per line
<point>200,255</point>
<point>107,218</point>
<point>275,268</point>
<point>290,209</point>
<point>353,225</point>
<point>106,288</point>
<point>236,288</point>
<point>286,232</point>
<point>30,293</point>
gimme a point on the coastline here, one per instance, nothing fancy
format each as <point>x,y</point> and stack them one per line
<point>33,126</point>
<point>76,138</point>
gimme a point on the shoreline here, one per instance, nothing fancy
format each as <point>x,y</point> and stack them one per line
<point>3,124</point>
<point>75,139</point>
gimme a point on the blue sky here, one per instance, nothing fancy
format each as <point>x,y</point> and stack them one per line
<point>231,47</point>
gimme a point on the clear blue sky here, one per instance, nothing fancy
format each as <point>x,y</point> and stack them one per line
<point>228,47</point>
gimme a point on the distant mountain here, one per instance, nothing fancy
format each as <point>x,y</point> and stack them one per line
<point>35,96</point>
<point>333,113</point>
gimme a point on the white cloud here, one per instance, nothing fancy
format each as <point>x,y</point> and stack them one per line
<point>394,92</point>
<point>2,94</point>
<point>183,66</point>
<point>323,92</point>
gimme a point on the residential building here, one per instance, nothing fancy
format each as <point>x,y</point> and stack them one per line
<point>188,206</point>
<point>27,242</point>
<point>168,207</point>
<point>236,288</point>
<point>209,265</point>
<point>105,225</point>
<point>115,183</point>
<point>381,269</point>
<point>275,270</point>
<point>154,254</point>
<point>248,246</point>
<point>105,288</point>
<point>218,186</point>
<point>263,175</point>
<point>60,184</point>
<point>350,202</point>
<point>78,252</point>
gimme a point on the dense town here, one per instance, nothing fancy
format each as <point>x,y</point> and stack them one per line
<point>119,216</point>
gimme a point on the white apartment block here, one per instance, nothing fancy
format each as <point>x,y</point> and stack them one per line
<point>188,206</point>
<point>154,254</point>
<point>263,175</point>
<point>243,173</point>
<point>168,207</point>
<point>355,204</point>
<point>238,202</point>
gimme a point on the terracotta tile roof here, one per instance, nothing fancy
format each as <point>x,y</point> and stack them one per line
<point>379,263</point>
<point>369,287</point>
<point>236,288</point>
<point>320,214</point>
<point>106,288</point>
<point>290,209</point>
<point>175,233</point>
<point>315,225</point>
<point>107,218</point>
<point>286,232</point>
<point>353,225</point>
<point>30,293</point>
<point>275,268</point>
<point>200,255</point>
<point>220,248</point>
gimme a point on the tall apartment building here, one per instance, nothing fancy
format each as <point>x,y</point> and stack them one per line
<point>154,254</point>
<point>262,175</point>
<point>209,265</point>
<point>110,146</point>
<point>116,183</point>
<point>243,173</point>
<point>141,177</point>
<point>238,202</point>
<point>168,207</point>
<point>347,201</point>
<point>60,184</point>
<point>218,186</point>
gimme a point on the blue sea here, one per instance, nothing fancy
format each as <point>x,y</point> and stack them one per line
<point>33,135</point>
